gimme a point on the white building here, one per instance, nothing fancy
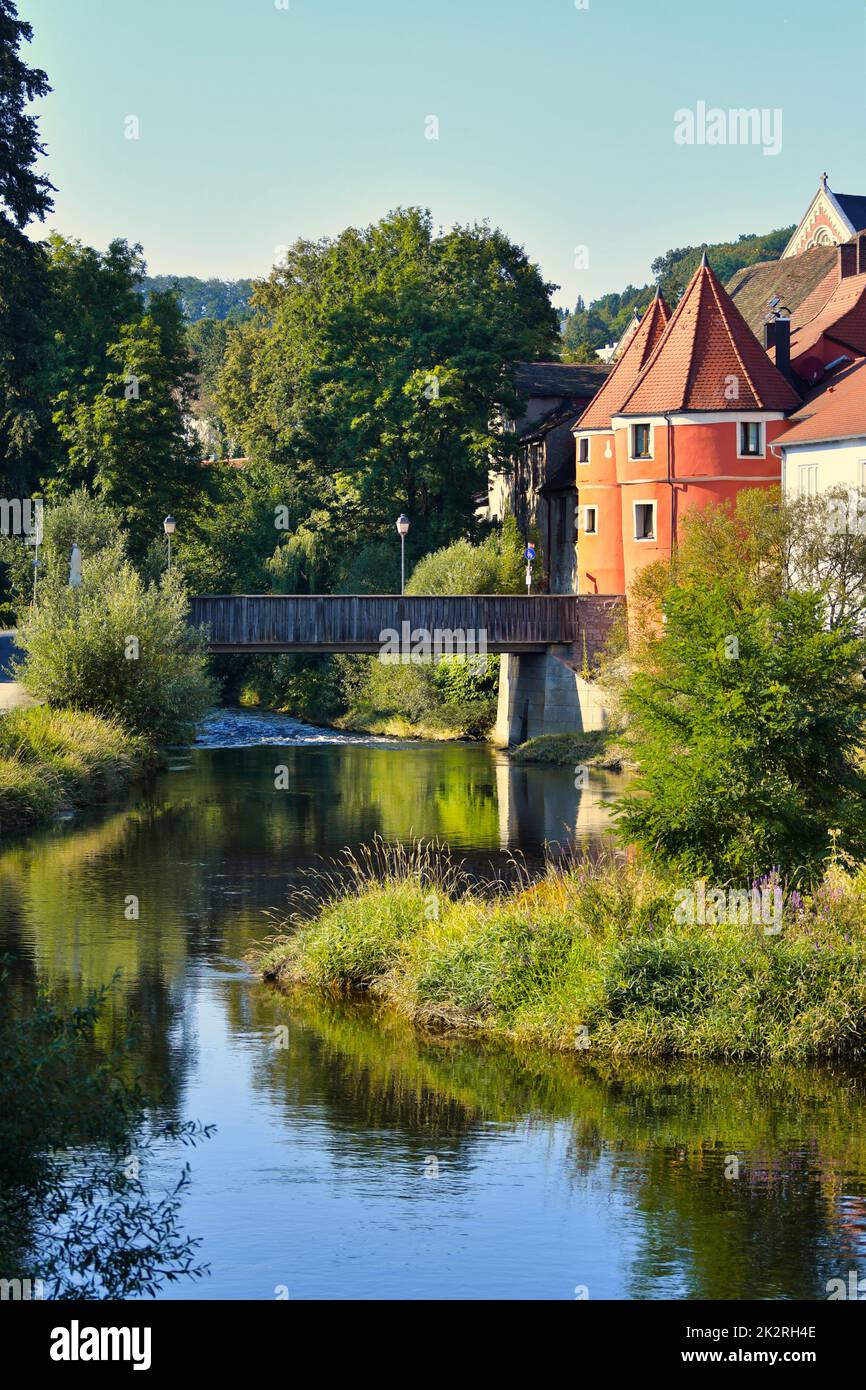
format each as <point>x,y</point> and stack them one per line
<point>826,444</point>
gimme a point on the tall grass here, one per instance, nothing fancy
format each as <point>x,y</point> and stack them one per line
<point>590,958</point>
<point>51,759</point>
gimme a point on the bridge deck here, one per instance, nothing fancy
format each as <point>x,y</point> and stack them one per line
<point>357,622</point>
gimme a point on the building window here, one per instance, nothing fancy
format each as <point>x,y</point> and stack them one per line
<point>590,521</point>
<point>751,439</point>
<point>641,441</point>
<point>808,479</point>
<point>583,450</point>
<point>644,521</point>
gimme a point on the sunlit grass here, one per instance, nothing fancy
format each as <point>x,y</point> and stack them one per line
<point>50,759</point>
<point>590,957</point>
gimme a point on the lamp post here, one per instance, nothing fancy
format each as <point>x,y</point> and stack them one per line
<point>168,527</point>
<point>403,531</point>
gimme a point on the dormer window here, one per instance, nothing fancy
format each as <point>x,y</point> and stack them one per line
<point>751,439</point>
<point>641,441</point>
<point>583,449</point>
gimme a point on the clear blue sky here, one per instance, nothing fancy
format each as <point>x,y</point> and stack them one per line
<point>259,125</point>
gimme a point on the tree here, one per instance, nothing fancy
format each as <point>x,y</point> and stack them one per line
<point>130,442</point>
<point>24,195</point>
<point>746,710</point>
<point>372,369</point>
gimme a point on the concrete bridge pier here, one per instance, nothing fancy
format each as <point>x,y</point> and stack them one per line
<point>542,693</point>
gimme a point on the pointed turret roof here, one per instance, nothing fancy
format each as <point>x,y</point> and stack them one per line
<point>627,368</point>
<point>706,348</point>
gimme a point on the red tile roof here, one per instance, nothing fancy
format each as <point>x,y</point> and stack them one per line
<point>627,367</point>
<point>842,318</point>
<point>707,344</point>
<point>836,410</point>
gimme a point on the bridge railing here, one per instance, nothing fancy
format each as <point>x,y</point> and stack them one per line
<point>356,622</point>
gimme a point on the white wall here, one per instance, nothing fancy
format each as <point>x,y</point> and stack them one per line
<point>840,464</point>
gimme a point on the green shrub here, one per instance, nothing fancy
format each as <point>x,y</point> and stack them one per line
<point>115,647</point>
<point>496,566</point>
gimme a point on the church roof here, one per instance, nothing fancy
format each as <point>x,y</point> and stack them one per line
<point>842,318</point>
<point>571,381</point>
<point>627,367</point>
<point>836,410</point>
<point>854,207</point>
<point>706,346</point>
<point>794,279</point>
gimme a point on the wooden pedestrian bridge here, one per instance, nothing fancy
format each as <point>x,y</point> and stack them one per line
<point>364,622</point>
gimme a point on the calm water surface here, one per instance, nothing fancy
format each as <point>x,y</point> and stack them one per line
<point>363,1160</point>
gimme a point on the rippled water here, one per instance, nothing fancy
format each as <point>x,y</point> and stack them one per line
<point>362,1160</point>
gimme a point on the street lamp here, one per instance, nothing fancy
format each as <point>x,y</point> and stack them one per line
<point>168,527</point>
<point>403,530</point>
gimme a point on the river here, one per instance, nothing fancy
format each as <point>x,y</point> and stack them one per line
<point>353,1158</point>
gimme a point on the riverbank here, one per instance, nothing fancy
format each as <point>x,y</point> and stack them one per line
<point>602,749</point>
<point>54,760</point>
<point>591,956</point>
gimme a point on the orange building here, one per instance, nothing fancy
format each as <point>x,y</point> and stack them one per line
<point>687,416</point>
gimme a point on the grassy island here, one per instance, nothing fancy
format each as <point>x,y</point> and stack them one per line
<point>592,957</point>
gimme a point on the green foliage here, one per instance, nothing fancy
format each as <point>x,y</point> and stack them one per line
<point>591,957</point>
<point>75,1212</point>
<point>130,443</point>
<point>607,318</point>
<point>215,300</point>
<point>746,713</point>
<point>25,353</point>
<point>29,794</point>
<point>495,566</point>
<point>370,373</point>
<point>307,687</point>
<point>117,647</point>
<point>24,194</point>
<point>92,296</point>
<point>77,519</point>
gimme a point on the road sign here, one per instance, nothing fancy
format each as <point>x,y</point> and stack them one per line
<point>529,552</point>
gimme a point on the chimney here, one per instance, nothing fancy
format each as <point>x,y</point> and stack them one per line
<point>777,334</point>
<point>847,260</point>
<point>861,254</point>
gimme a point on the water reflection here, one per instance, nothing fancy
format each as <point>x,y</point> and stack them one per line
<point>364,1160</point>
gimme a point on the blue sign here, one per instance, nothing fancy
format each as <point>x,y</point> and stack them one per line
<point>529,552</point>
